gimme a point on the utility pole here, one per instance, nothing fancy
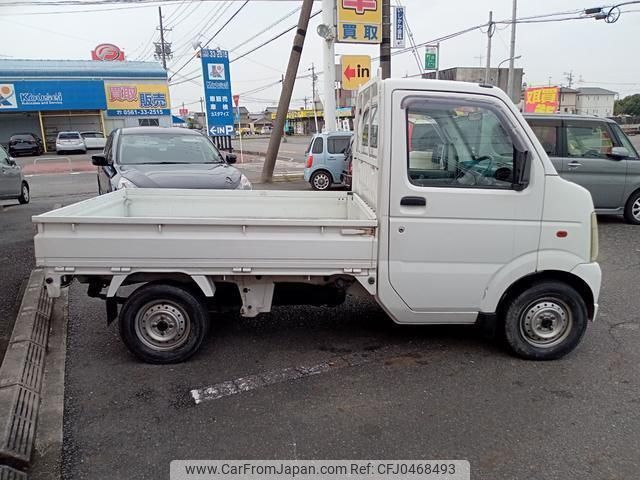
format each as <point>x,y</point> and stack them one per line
<point>287,91</point>
<point>163,49</point>
<point>385,46</point>
<point>512,53</point>
<point>490,32</point>
<point>569,77</point>
<point>329,64</point>
<point>314,79</point>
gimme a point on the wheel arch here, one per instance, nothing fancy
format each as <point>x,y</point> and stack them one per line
<point>198,284</point>
<point>325,170</point>
<point>568,278</point>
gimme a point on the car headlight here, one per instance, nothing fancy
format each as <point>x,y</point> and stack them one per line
<point>245,184</point>
<point>125,183</point>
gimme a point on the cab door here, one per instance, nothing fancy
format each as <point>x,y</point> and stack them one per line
<point>588,144</point>
<point>455,218</point>
<point>336,159</point>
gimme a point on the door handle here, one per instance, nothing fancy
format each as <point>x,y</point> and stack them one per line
<point>413,202</point>
<point>574,164</point>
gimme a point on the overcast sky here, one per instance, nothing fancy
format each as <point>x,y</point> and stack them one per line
<point>599,54</point>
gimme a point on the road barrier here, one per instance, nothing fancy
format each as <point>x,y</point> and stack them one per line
<point>21,376</point>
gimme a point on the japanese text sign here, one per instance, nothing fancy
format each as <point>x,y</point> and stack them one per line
<point>137,99</point>
<point>217,92</point>
<point>542,100</point>
<point>360,21</point>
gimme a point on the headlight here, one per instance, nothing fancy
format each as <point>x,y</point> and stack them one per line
<point>245,184</point>
<point>125,183</point>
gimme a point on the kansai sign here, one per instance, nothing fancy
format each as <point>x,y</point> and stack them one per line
<point>107,52</point>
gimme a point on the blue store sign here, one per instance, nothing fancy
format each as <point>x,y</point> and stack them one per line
<point>20,96</point>
<point>217,91</point>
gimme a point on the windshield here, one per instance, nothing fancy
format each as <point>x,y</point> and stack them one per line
<point>21,138</point>
<point>167,148</point>
<point>69,136</point>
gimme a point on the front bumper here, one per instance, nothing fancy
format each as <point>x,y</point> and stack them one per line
<point>591,274</point>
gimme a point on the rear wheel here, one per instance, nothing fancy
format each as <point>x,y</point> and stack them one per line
<point>25,195</point>
<point>632,209</point>
<point>546,321</point>
<point>163,323</point>
<point>320,180</point>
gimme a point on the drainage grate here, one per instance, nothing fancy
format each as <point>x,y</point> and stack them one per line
<point>8,473</point>
<point>19,427</point>
<point>23,364</point>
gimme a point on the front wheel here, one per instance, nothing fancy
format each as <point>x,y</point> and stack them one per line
<point>546,321</point>
<point>25,196</point>
<point>320,180</point>
<point>162,324</point>
<point>632,209</point>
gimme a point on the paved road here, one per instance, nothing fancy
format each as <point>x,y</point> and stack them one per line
<point>418,392</point>
<point>293,149</point>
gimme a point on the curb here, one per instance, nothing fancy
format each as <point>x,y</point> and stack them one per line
<point>21,376</point>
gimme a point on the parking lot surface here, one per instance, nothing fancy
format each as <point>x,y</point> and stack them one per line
<point>416,392</point>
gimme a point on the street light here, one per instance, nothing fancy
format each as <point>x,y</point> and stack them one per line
<point>507,59</point>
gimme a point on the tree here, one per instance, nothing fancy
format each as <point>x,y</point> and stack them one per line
<point>628,106</point>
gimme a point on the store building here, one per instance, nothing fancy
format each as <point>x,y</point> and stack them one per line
<point>48,96</point>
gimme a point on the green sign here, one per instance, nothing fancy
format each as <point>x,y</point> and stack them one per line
<point>431,58</point>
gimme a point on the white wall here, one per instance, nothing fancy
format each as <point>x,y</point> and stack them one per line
<point>599,105</point>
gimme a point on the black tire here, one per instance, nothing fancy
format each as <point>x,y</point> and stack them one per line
<point>25,194</point>
<point>321,180</point>
<point>167,306</point>
<point>633,205</point>
<point>546,321</point>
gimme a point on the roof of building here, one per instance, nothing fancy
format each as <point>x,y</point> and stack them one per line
<point>568,90</point>
<point>79,68</point>
<point>595,91</point>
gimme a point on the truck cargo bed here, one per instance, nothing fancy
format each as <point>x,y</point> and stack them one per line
<point>211,232</point>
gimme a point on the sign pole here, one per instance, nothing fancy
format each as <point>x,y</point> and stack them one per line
<point>385,46</point>
<point>329,51</point>
<point>287,92</point>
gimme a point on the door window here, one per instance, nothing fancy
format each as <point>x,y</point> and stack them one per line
<point>624,140</point>
<point>457,145</point>
<point>548,136</point>
<point>318,146</point>
<point>588,141</point>
<point>373,129</point>
<point>337,145</point>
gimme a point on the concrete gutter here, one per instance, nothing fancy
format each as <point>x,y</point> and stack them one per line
<point>21,378</point>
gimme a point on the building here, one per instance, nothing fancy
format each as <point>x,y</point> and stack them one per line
<point>497,76</point>
<point>595,101</point>
<point>48,96</point>
<point>568,100</point>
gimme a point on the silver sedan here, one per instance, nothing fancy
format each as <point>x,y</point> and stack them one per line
<point>12,182</point>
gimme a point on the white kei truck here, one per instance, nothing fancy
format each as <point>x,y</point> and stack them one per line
<point>457,216</point>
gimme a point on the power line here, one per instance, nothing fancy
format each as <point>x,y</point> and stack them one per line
<point>214,35</point>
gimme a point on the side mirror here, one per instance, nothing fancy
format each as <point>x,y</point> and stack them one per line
<point>11,161</point>
<point>232,158</point>
<point>521,170</point>
<point>99,160</point>
<point>619,153</point>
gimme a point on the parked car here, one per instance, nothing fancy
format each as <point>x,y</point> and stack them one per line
<point>70,142</point>
<point>595,153</point>
<point>347,174</point>
<point>94,140</point>
<point>266,130</point>
<point>154,157</point>
<point>25,144</point>
<point>326,159</point>
<point>12,182</point>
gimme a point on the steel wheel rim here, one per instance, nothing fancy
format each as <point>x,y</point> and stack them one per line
<point>162,325</point>
<point>546,322</point>
<point>25,192</point>
<point>321,181</point>
<point>635,209</point>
